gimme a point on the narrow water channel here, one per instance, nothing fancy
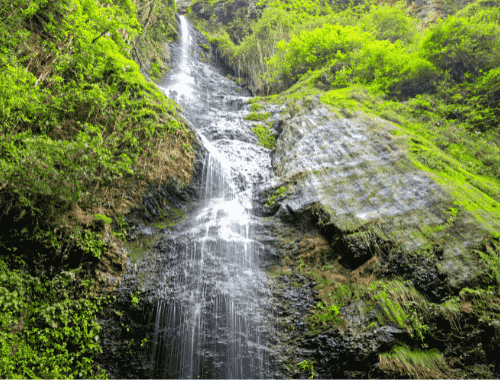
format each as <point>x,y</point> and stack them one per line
<point>213,318</point>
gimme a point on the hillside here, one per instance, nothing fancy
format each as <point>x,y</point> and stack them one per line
<point>83,135</point>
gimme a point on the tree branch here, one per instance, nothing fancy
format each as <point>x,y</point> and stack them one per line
<point>100,35</point>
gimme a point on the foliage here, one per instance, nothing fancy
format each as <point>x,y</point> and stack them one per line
<point>159,27</point>
<point>416,363</point>
<point>313,49</point>
<point>265,138</point>
<point>301,7</point>
<point>255,107</point>
<point>401,304</point>
<point>305,365</point>
<point>279,192</point>
<point>254,116</point>
<point>90,243</point>
<point>102,218</point>
<point>60,332</point>
<point>475,102</point>
<point>120,227</point>
<point>135,299</point>
<point>463,44</point>
<point>485,303</point>
<point>324,315</point>
<point>390,22</point>
<point>77,116</point>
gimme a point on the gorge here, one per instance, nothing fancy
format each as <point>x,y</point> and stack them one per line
<point>336,200</point>
<point>249,189</point>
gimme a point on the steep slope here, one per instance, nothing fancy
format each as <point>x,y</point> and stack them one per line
<point>84,136</point>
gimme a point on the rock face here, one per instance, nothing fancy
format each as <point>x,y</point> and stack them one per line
<point>354,176</point>
<point>151,50</point>
<point>346,192</point>
<point>234,16</point>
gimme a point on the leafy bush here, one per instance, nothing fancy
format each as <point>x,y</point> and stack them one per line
<point>392,68</point>
<point>314,49</point>
<point>476,104</point>
<point>463,44</point>
<point>390,22</point>
<point>60,332</point>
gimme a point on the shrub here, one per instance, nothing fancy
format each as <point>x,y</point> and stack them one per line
<point>390,22</point>
<point>311,50</point>
<point>60,333</point>
<point>392,68</point>
<point>463,44</point>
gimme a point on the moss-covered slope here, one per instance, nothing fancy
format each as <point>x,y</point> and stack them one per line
<point>83,135</point>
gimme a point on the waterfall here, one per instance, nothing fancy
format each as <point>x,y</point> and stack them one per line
<point>212,318</point>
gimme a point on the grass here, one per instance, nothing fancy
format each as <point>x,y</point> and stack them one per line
<point>395,301</point>
<point>415,363</point>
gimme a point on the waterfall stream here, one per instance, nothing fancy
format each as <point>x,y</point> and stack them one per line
<point>213,318</point>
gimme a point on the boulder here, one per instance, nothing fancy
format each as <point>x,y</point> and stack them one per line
<point>354,176</point>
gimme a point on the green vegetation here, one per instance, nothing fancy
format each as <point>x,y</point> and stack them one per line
<point>323,316</point>
<point>83,134</point>
<point>305,366</point>
<point>254,116</point>
<point>150,50</point>
<point>170,217</point>
<point>265,138</point>
<point>135,299</point>
<point>59,333</point>
<point>416,364</point>
<point>255,107</point>
<point>279,192</point>
<point>394,302</point>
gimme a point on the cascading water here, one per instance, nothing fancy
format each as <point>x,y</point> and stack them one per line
<point>213,315</point>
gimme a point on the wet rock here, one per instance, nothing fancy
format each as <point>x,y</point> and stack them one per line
<point>421,270</point>
<point>357,173</point>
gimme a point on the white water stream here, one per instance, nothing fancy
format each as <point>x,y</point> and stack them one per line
<point>212,319</point>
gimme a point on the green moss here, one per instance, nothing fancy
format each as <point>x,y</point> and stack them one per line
<point>264,135</point>
<point>157,71</point>
<point>253,116</point>
<point>170,218</point>
<point>253,100</point>
<point>453,166</point>
<point>255,107</point>
<point>205,46</point>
